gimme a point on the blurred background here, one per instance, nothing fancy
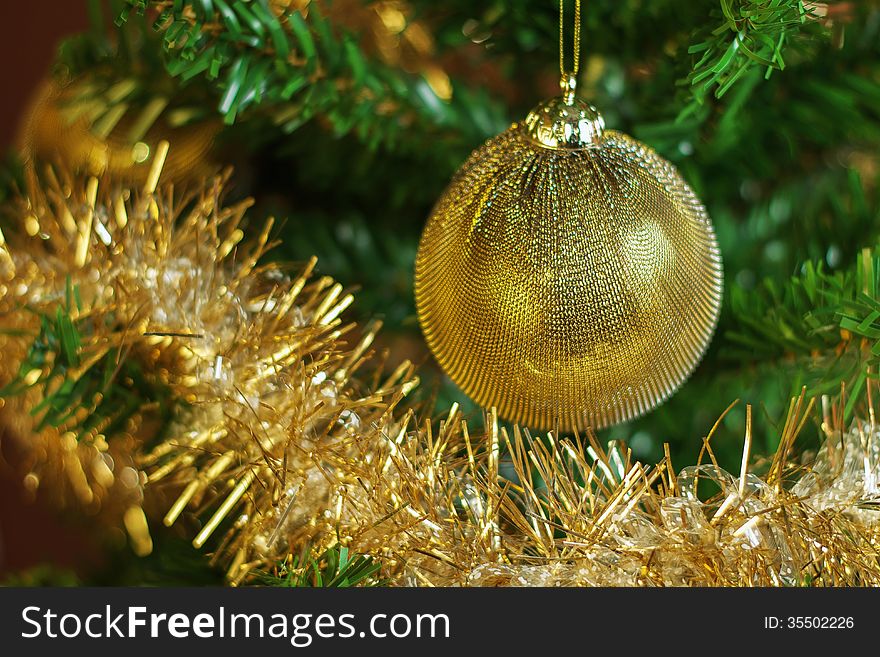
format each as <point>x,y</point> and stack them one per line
<point>30,534</point>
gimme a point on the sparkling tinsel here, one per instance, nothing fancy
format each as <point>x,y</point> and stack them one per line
<point>255,374</point>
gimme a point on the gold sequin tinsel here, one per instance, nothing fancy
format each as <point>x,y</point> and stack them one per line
<point>440,505</point>
<point>258,373</point>
<point>568,275</point>
<point>500,509</point>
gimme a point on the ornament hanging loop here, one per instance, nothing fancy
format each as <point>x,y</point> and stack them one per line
<point>569,77</point>
<point>566,122</point>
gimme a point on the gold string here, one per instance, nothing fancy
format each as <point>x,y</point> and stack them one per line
<point>577,38</point>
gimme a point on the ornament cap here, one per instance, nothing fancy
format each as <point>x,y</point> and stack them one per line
<point>565,122</point>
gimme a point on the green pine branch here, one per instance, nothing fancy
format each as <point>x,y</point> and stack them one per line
<point>828,322</point>
<point>254,54</point>
<point>85,387</point>
<point>752,34</point>
<point>336,567</point>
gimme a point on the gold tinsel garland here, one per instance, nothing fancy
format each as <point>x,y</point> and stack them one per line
<point>441,507</point>
<point>257,358</point>
<point>273,453</point>
<point>578,514</point>
<point>445,508</point>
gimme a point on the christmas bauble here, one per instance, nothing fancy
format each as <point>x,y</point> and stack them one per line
<point>568,276</point>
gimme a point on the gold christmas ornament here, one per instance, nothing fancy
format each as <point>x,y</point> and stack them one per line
<point>568,275</point>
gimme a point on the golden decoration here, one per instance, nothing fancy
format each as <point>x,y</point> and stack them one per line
<point>290,439</point>
<point>444,505</point>
<point>161,279</point>
<point>271,456</point>
<point>281,447</point>
<point>268,413</point>
<point>568,275</point>
<point>571,513</point>
<point>95,128</point>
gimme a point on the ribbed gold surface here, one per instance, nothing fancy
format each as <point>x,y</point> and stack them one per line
<point>568,288</point>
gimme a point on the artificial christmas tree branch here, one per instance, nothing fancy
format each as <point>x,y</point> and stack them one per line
<point>751,34</point>
<point>301,66</point>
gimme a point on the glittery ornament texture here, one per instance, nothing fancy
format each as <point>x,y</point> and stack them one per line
<point>568,287</point>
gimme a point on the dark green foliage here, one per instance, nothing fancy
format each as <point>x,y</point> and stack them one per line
<point>10,182</point>
<point>299,68</point>
<point>752,33</point>
<point>42,575</point>
<point>334,568</point>
<point>173,562</point>
<point>827,321</point>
